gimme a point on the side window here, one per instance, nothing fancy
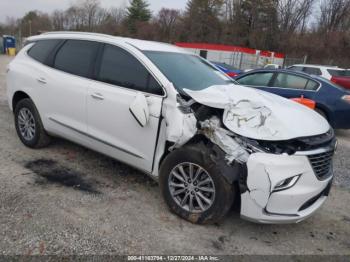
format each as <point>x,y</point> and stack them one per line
<point>296,68</point>
<point>76,57</point>
<point>312,71</point>
<point>120,68</point>
<point>257,79</point>
<point>290,81</point>
<point>41,49</point>
<point>311,85</point>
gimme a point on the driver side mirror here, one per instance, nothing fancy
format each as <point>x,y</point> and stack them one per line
<point>139,109</point>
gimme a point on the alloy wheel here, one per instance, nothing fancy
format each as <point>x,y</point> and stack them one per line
<point>191,187</point>
<point>26,124</point>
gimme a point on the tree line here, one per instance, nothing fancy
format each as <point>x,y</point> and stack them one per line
<point>319,29</point>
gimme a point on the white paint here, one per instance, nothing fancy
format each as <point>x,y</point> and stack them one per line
<point>180,127</point>
<point>260,115</point>
<point>140,110</point>
<point>264,172</point>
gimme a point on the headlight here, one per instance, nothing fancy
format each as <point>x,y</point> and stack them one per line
<point>346,98</point>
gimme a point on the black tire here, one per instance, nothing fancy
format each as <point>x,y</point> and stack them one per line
<point>200,155</point>
<point>40,138</point>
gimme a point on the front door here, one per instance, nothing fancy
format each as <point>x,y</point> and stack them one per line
<point>119,78</point>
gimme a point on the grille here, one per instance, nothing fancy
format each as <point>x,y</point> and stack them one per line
<point>322,164</point>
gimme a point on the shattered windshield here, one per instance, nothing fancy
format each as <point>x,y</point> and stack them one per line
<point>187,71</point>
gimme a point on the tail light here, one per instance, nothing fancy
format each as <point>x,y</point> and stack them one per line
<point>334,80</point>
<point>232,74</point>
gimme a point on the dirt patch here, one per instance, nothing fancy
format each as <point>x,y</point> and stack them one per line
<point>58,174</point>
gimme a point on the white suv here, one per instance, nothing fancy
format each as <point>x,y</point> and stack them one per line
<point>325,71</point>
<point>174,116</point>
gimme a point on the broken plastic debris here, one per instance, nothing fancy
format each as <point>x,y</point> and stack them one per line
<point>219,136</point>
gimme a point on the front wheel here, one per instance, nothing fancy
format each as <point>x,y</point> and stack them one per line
<point>193,185</point>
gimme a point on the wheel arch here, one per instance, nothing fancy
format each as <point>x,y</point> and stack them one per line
<point>327,112</point>
<point>18,96</point>
<point>195,139</point>
<point>201,141</point>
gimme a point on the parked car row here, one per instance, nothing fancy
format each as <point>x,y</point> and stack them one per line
<point>322,88</point>
<point>335,74</point>
<point>331,100</point>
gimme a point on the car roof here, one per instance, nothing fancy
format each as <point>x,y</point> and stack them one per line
<point>319,66</point>
<point>277,71</point>
<point>142,45</point>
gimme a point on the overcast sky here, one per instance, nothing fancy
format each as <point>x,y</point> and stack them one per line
<point>17,8</point>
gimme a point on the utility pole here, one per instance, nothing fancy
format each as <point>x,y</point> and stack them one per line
<point>30,27</point>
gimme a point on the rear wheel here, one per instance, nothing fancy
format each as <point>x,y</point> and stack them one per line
<point>193,186</point>
<point>28,124</point>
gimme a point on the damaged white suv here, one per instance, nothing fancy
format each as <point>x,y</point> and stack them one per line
<point>174,116</point>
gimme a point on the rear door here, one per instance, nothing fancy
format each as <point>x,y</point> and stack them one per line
<point>66,85</point>
<point>120,76</point>
<point>292,86</point>
<point>280,83</point>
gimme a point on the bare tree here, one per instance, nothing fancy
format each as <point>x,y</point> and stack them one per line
<point>91,11</point>
<point>58,20</point>
<point>334,15</point>
<point>166,21</point>
<point>293,14</point>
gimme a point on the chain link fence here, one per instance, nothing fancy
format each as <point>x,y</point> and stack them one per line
<point>289,61</point>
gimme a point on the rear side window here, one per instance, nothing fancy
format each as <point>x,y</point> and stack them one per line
<point>120,68</point>
<point>296,68</point>
<point>76,57</point>
<point>311,85</point>
<point>333,72</point>
<point>41,49</point>
<point>290,81</point>
<point>257,79</point>
<point>312,71</point>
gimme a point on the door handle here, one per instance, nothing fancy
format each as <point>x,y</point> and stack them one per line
<point>41,80</point>
<point>97,96</point>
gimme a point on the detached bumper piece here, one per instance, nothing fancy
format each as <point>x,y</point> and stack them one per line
<point>265,202</point>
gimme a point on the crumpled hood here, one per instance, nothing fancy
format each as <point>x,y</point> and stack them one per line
<point>261,115</point>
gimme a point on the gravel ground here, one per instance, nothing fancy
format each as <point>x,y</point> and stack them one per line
<point>118,210</point>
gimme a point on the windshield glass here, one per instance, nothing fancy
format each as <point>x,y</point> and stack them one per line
<point>187,71</point>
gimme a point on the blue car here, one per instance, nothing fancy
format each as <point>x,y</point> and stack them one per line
<point>332,101</point>
<point>227,69</point>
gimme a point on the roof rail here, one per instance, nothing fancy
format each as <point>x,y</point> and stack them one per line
<point>318,65</point>
<point>77,32</point>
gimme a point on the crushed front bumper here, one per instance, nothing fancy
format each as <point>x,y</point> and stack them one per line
<point>262,203</point>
